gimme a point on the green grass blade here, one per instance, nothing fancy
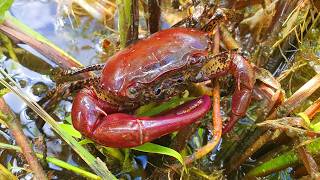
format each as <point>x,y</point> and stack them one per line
<point>27,30</point>
<point>125,20</point>
<point>154,110</point>
<point>71,130</point>
<point>4,7</point>
<point>155,148</point>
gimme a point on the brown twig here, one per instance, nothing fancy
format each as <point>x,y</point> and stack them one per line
<point>235,163</point>
<point>135,21</point>
<point>217,128</point>
<point>307,159</point>
<point>312,110</point>
<point>297,98</point>
<point>22,141</point>
<point>217,131</point>
<point>308,162</point>
<point>14,32</point>
<point>154,12</point>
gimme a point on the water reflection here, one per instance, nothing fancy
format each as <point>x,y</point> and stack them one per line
<point>59,28</point>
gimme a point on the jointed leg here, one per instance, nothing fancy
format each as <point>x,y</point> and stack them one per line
<point>75,71</point>
<point>65,89</point>
<point>243,73</point>
<point>217,18</point>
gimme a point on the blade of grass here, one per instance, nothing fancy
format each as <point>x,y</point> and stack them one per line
<point>155,148</point>
<point>71,130</point>
<point>13,124</point>
<point>174,102</point>
<point>6,174</point>
<point>4,6</point>
<point>128,21</point>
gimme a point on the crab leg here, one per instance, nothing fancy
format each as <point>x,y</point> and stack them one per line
<point>63,90</point>
<point>245,79</point>
<point>243,73</point>
<point>75,71</point>
<point>102,123</point>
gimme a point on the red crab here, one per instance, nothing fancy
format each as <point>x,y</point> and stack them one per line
<point>153,70</point>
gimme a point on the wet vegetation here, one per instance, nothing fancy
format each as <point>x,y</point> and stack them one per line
<point>277,138</point>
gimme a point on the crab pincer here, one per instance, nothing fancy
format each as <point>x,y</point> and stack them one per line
<point>94,120</point>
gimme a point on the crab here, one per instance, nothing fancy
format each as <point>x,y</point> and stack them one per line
<point>154,70</point>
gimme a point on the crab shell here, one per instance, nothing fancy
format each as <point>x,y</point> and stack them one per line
<point>148,60</point>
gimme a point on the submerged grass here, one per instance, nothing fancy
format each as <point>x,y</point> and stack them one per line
<point>55,161</point>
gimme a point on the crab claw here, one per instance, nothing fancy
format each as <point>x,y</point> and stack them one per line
<point>100,122</point>
<point>234,63</point>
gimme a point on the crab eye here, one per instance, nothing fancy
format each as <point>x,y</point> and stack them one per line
<point>132,92</point>
<point>157,91</point>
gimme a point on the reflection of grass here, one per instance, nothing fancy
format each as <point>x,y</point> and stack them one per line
<point>103,11</point>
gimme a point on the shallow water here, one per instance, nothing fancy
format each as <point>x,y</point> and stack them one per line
<point>43,17</point>
<point>49,19</point>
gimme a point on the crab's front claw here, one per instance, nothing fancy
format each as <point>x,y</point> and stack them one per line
<point>240,101</point>
<point>244,75</point>
<point>96,121</point>
<point>268,89</point>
